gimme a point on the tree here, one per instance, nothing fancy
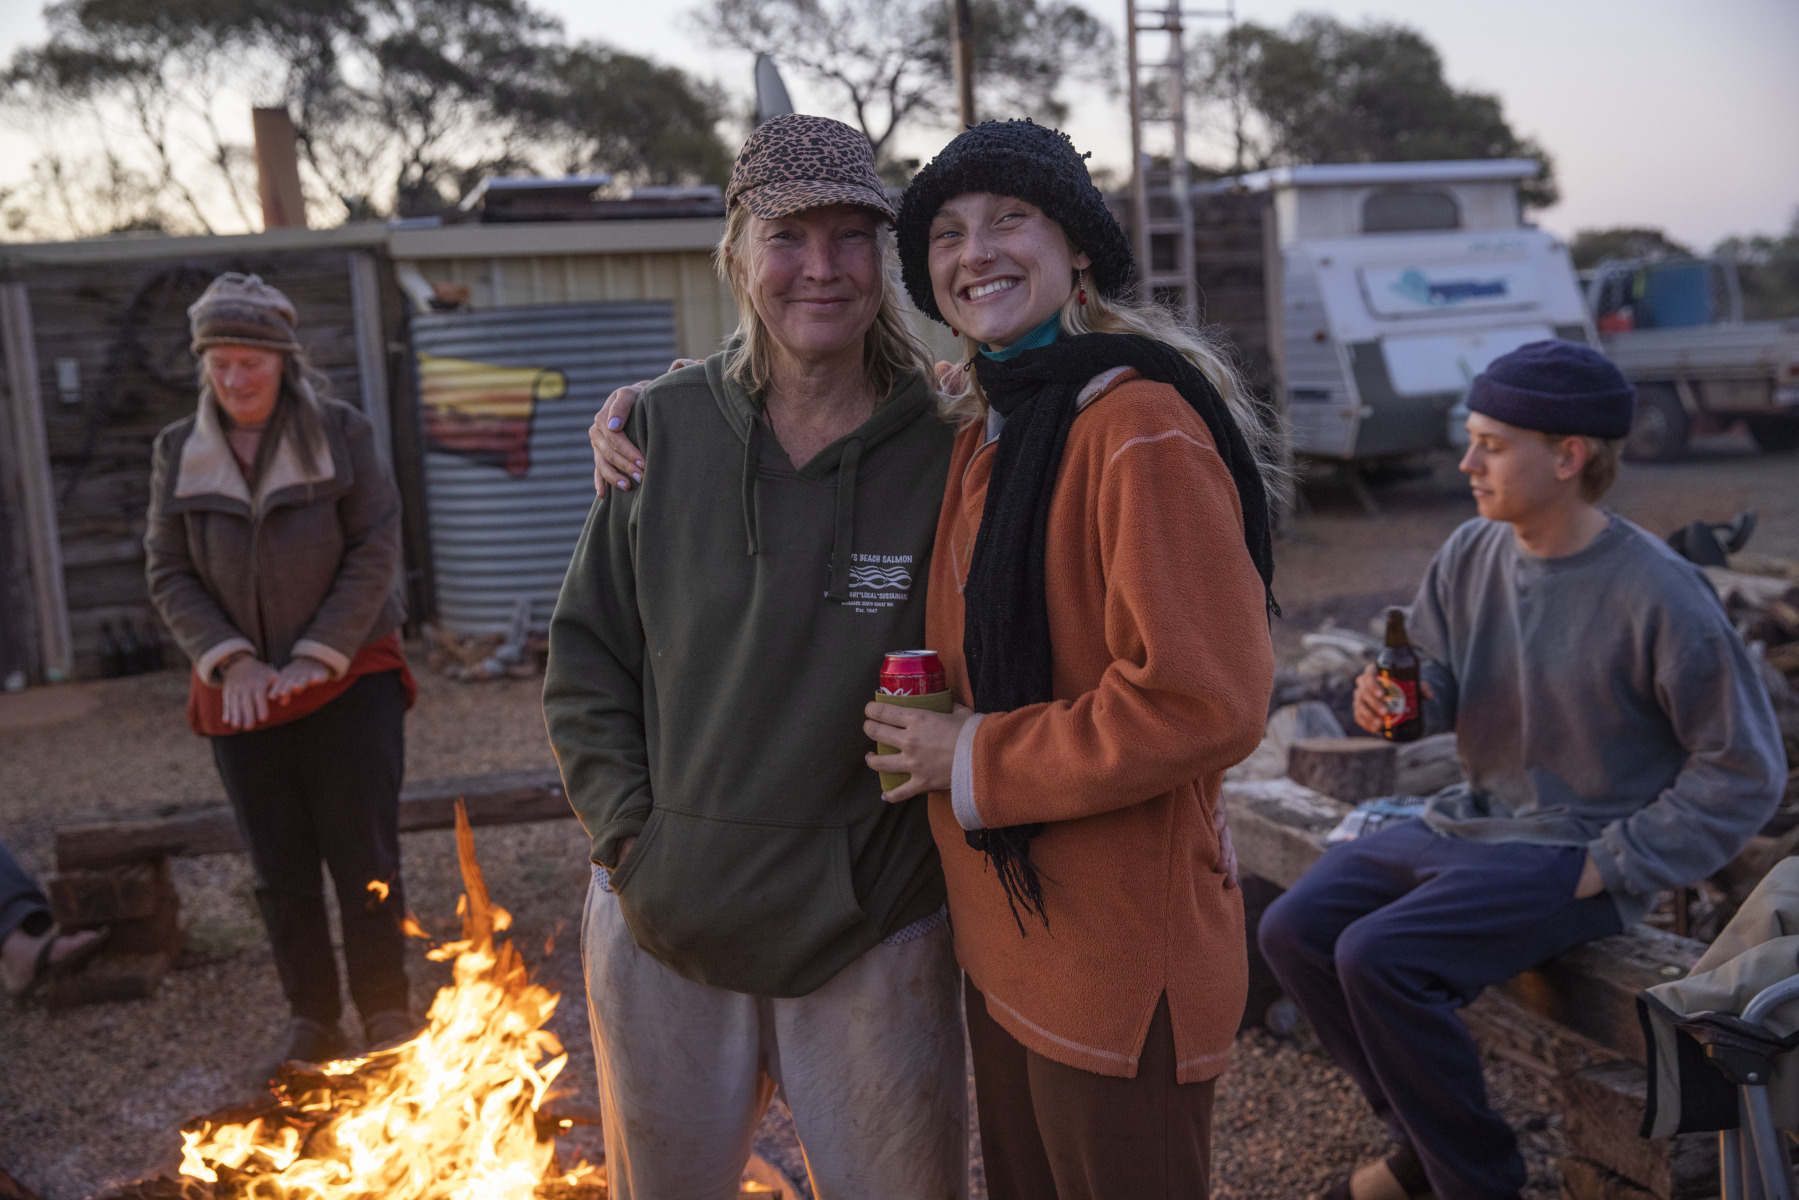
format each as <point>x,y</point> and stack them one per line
<point>1320,91</point>
<point>633,117</point>
<point>887,64</point>
<point>1768,268</point>
<point>400,105</point>
<point>1593,246</point>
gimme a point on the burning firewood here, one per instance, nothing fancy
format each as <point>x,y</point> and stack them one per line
<point>460,1110</point>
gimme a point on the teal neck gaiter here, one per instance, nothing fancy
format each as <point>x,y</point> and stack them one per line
<point>1043,335</point>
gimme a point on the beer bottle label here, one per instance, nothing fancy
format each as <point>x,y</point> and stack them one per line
<point>1399,701</point>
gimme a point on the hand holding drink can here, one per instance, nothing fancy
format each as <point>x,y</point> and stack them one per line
<point>910,679</point>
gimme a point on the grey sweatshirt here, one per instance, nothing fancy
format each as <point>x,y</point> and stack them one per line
<point>1599,699</point>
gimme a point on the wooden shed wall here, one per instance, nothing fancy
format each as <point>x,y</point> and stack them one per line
<point>124,323</point>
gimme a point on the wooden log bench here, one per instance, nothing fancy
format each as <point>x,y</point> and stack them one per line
<point>115,873</point>
<point>1572,1019</point>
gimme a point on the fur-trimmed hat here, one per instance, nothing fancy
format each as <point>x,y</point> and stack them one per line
<point>1557,387</point>
<point>1013,158</point>
<point>242,310</point>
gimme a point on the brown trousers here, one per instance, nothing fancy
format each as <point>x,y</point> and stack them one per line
<point>1054,1132</point>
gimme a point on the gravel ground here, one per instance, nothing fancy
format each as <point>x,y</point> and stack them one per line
<point>94,1095</point>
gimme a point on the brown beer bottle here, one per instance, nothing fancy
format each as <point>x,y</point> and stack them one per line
<point>1402,719</point>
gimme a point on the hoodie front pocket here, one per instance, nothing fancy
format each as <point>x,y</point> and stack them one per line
<point>737,904</point>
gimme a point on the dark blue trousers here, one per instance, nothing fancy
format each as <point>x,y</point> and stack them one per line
<point>22,903</point>
<point>1386,937</point>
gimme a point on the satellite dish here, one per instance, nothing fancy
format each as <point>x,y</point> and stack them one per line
<point>771,93</point>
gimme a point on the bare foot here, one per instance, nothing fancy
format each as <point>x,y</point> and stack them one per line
<point>19,955</point>
<point>1373,1181</point>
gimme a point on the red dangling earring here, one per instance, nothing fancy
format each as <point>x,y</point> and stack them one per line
<point>954,332</point>
<point>1082,296</point>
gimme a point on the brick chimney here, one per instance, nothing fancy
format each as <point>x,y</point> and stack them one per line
<point>278,169</point>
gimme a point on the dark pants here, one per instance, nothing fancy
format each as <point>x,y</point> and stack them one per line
<point>22,903</point>
<point>327,788</point>
<point>1386,937</point>
<point>1054,1132</point>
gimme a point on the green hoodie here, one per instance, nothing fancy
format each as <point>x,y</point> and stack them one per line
<point>719,631</point>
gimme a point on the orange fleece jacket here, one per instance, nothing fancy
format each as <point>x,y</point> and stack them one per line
<point>1163,668</point>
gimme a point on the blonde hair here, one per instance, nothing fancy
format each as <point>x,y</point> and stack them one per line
<point>1201,347</point>
<point>1601,468</point>
<point>890,350</point>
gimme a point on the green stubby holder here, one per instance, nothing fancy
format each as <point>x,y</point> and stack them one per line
<point>932,701</point>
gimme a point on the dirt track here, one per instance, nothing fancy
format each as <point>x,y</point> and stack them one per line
<point>96,1094</point>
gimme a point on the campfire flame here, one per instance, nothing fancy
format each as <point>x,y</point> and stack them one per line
<point>457,1112</point>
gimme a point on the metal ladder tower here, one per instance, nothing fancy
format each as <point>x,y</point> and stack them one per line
<point>1166,21</point>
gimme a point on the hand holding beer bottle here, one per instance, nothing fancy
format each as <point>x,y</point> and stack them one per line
<point>1389,695</point>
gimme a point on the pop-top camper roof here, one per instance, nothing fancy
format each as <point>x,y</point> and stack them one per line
<point>1477,170</point>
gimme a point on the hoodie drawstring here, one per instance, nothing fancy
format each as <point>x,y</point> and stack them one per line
<point>846,519</point>
<point>751,456</point>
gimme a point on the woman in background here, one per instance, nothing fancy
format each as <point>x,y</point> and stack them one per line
<point>273,555</point>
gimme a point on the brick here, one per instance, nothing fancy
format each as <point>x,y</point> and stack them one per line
<point>111,977</point>
<point>156,934</point>
<point>101,897</point>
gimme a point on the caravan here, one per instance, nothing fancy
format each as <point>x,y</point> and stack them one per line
<point>1389,286</point>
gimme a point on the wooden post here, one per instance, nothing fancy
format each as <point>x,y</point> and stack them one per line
<point>278,169</point>
<point>37,497</point>
<point>1139,161</point>
<point>371,351</point>
<point>961,31</point>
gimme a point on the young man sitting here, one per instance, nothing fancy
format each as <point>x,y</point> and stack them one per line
<point>1616,741</point>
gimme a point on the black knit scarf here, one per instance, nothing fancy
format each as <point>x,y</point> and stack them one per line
<point>1006,604</point>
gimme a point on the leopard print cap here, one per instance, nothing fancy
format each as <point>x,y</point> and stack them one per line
<point>794,162</point>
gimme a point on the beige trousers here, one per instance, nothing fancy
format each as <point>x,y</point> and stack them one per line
<point>871,1065</point>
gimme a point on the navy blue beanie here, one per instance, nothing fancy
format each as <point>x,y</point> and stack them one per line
<point>1563,388</point>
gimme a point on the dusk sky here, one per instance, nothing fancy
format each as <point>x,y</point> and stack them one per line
<point>1661,113</point>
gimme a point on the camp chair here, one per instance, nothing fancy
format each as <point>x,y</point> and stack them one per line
<point>1721,1043</point>
<point>1752,1158</point>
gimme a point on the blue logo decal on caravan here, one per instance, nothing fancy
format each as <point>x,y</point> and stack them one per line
<point>1419,288</point>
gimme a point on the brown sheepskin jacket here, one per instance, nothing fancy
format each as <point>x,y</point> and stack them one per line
<point>308,565</point>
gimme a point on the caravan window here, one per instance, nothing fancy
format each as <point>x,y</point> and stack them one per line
<point>1405,210</point>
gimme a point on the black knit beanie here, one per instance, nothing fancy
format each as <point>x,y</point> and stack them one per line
<point>1013,158</point>
<point>1556,387</point>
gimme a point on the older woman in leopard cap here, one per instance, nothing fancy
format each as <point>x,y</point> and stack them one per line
<point>273,554</point>
<point>758,917</point>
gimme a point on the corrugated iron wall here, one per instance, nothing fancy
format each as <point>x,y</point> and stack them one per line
<point>506,397</point>
<point>703,311</point>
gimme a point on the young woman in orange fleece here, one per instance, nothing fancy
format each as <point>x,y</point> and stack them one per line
<point>1099,594</point>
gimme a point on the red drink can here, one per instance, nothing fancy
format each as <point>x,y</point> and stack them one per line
<point>912,673</point>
